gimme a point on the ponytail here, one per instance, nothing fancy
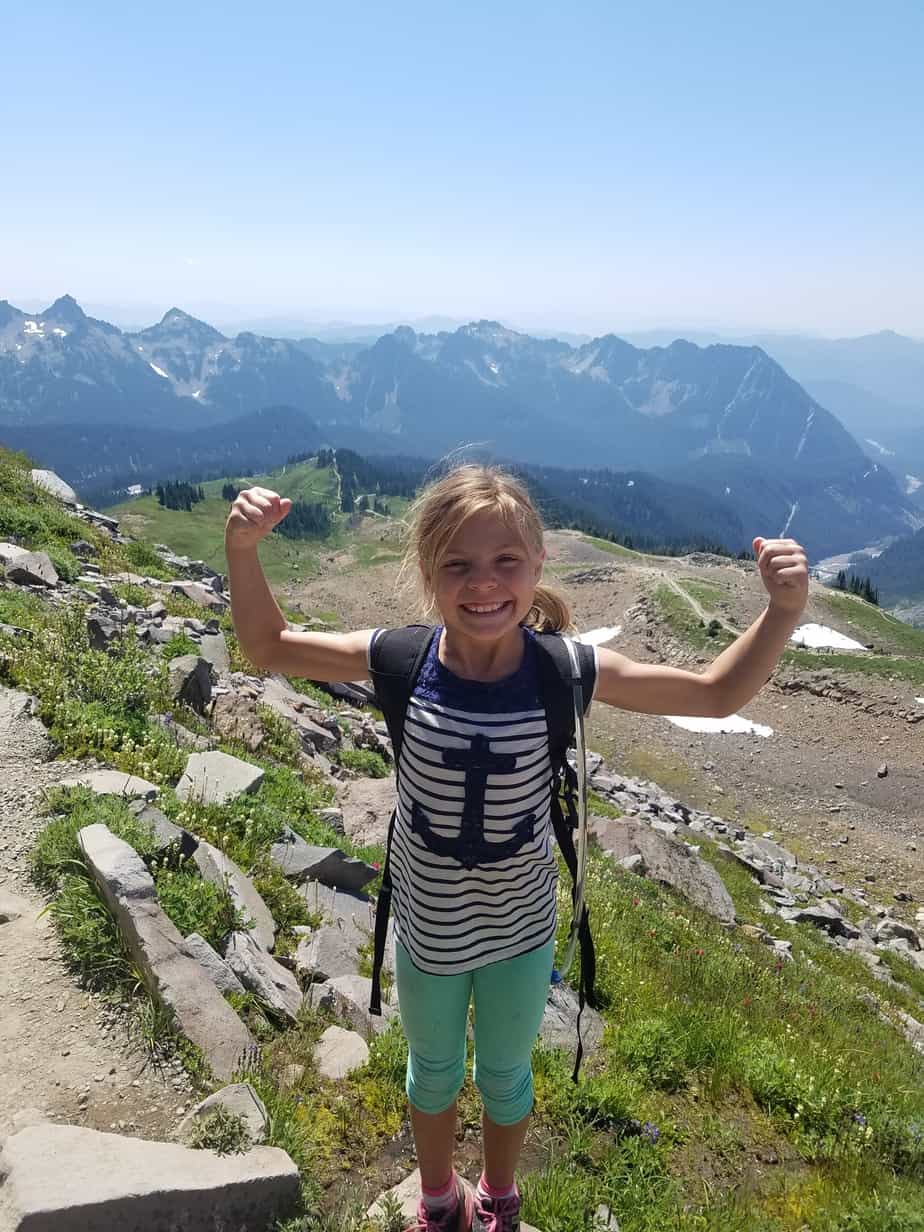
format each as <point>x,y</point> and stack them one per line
<point>550,612</point>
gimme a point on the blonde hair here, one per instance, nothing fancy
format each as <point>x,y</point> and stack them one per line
<point>445,504</point>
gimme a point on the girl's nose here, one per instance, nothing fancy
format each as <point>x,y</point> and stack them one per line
<point>482,578</point>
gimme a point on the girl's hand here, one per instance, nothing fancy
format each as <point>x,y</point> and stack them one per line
<point>784,572</point>
<point>253,515</point>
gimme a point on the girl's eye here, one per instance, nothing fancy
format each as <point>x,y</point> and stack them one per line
<point>454,564</point>
<point>510,560</point>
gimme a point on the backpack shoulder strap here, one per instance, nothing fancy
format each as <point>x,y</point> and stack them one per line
<point>557,696</point>
<point>395,659</point>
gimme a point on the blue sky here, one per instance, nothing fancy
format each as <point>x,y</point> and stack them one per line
<point>587,166</point>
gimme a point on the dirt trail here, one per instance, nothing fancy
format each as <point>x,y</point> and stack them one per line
<point>63,1053</point>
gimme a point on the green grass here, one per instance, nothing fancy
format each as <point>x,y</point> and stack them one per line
<point>707,594</point>
<point>683,622</point>
<point>365,761</point>
<point>614,549</point>
<point>866,622</point>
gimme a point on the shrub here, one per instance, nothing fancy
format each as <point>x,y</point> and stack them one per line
<point>221,1131</point>
<point>364,761</point>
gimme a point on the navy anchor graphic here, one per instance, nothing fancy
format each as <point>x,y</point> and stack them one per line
<point>471,847</point>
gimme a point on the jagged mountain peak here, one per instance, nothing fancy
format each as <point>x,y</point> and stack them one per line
<point>65,309</point>
<point>175,322</point>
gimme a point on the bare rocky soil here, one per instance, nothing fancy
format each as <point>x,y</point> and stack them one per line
<point>814,782</point>
<point>66,1055</point>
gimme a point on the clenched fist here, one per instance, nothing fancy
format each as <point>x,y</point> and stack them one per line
<point>253,515</point>
<point>784,572</point>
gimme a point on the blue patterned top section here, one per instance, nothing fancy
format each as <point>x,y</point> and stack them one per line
<point>519,691</point>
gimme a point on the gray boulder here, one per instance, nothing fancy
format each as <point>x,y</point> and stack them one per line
<point>33,569</point>
<point>102,632</point>
<point>173,977</point>
<point>216,778</point>
<point>113,783</point>
<point>327,952</point>
<point>190,679</point>
<point>70,1179</point>
<point>212,964</point>
<point>329,865</point>
<point>666,860</point>
<point>348,996</point>
<point>340,907</point>
<point>821,916</point>
<point>338,1052</point>
<point>367,806</point>
<point>54,484</point>
<point>236,717</point>
<point>205,596</point>
<point>240,1099</point>
<point>221,870</point>
<point>212,646</point>
<point>268,979</point>
<point>166,833</point>
<point>559,1021</point>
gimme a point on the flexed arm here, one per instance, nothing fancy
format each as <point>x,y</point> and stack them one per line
<point>260,626</point>
<point>735,675</point>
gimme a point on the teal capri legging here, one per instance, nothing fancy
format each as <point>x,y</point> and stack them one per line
<point>510,997</point>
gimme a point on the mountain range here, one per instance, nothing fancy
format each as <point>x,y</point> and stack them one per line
<point>725,418</point>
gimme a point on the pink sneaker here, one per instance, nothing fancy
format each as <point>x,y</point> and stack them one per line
<point>497,1214</point>
<point>455,1218</point>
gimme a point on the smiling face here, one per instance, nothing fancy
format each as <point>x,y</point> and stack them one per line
<point>485,582</point>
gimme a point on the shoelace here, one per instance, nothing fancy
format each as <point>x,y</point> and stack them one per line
<point>436,1221</point>
<point>499,1214</point>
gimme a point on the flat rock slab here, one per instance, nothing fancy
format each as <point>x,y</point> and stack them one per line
<point>338,906</point>
<point>175,979</point>
<point>216,778</point>
<point>329,865</point>
<point>61,1178</point>
<point>407,1194</point>
<point>367,806</point>
<point>338,1052</point>
<point>221,870</point>
<point>114,783</point>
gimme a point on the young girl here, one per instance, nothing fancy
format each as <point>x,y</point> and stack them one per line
<point>474,919</point>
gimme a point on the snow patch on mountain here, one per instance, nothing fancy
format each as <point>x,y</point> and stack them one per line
<point>731,724</point>
<point>881,449</point>
<point>817,636</point>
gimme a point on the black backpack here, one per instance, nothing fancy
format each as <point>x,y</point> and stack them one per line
<point>395,662</point>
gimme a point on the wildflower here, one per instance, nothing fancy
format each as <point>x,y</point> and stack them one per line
<point>859,1118</point>
<point>651,1131</point>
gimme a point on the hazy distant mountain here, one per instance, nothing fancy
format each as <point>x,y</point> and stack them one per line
<point>726,418</point>
<point>898,571</point>
<point>102,460</point>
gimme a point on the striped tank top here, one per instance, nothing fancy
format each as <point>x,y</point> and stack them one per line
<point>472,859</point>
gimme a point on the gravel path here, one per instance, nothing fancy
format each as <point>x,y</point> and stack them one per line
<point>66,1054</point>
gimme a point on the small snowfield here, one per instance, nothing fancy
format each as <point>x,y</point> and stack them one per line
<point>818,636</point>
